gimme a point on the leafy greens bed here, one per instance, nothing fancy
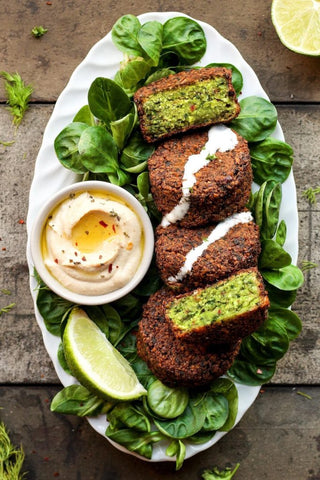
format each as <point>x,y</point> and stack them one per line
<point>103,142</point>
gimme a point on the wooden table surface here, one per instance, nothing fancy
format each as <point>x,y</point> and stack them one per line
<point>279,437</point>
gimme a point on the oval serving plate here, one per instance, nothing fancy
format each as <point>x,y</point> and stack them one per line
<point>49,176</point>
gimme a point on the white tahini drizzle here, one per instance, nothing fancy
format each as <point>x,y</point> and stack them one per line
<point>218,232</point>
<point>220,138</point>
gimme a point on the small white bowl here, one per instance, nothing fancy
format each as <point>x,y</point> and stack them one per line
<point>37,232</point>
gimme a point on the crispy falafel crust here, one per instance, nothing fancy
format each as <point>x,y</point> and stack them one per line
<point>222,187</point>
<point>238,249</point>
<point>173,361</point>
<point>238,326</point>
<point>177,82</point>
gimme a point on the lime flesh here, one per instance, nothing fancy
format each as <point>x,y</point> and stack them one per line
<point>95,362</point>
<point>297,23</point>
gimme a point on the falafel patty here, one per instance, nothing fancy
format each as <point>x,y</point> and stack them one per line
<point>201,178</point>
<point>175,362</point>
<point>230,309</point>
<point>186,100</point>
<point>187,259</point>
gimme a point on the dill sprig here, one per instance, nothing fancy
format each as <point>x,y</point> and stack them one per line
<point>6,310</point>
<point>18,95</point>
<point>310,194</point>
<point>11,457</point>
<point>307,265</point>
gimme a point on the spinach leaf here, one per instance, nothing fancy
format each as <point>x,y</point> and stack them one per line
<point>150,39</point>
<point>256,120</point>
<point>53,309</point>
<point>228,389</point>
<point>273,256</point>
<point>108,101</point>
<point>84,115</point>
<point>271,160</point>
<point>126,415</point>
<point>167,402</point>
<point>285,278</point>
<point>145,376</point>
<point>272,339</point>
<point>216,474</point>
<point>280,298</point>
<point>99,153</point>
<point>217,410</point>
<point>62,359</point>
<point>249,373</point>
<point>201,437</point>
<point>121,129</point>
<point>271,212</point>
<point>150,283</point>
<point>96,314</point>
<point>77,400</point>
<point>281,233</point>
<point>135,154</point>
<point>237,79</point>
<point>66,147</point>
<point>124,35</point>
<point>131,74</point>
<point>288,319</point>
<point>135,441</point>
<point>158,74</point>
<point>115,324</point>
<point>258,205</point>
<point>184,37</point>
<point>188,423</point>
<point>178,449</point>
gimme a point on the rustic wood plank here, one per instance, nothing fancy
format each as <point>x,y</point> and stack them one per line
<point>74,27</point>
<point>278,438</point>
<point>22,355</point>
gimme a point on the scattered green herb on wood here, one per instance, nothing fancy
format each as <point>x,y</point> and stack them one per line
<point>18,95</point>
<point>7,144</point>
<point>307,265</point>
<point>310,194</point>
<point>305,395</point>
<point>11,457</point>
<point>217,474</point>
<point>38,32</point>
<point>7,308</point>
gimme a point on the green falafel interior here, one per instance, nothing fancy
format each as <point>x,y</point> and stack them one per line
<point>235,296</point>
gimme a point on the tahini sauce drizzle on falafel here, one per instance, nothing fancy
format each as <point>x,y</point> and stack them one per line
<point>220,138</point>
<point>218,232</point>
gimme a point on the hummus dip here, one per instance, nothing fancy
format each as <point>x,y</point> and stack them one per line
<point>92,243</point>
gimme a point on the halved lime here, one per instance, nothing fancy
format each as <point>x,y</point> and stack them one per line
<point>297,23</point>
<point>95,362</point>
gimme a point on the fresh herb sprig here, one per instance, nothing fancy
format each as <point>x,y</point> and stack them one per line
<point>7,308</point>
<point>38,32</point>
<point>18,95</point>
<point>310,194</point>
<point>11,457</point>
<point>216,474</point>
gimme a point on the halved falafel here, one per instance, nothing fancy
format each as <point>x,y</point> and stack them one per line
<point>173,361</point>
<point>221,187</point>
<point>186,100</point>
<point>230,309</point>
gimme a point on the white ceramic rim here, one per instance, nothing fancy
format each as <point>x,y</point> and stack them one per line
<point>37,232</point>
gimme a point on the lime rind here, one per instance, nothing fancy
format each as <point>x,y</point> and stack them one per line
<point>297,23</point>
<point>96,363</point>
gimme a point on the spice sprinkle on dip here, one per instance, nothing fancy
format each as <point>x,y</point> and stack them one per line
<point>92,243</point>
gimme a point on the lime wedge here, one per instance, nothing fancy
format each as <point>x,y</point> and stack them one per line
<point>95,362</point>
<point>297,23</point>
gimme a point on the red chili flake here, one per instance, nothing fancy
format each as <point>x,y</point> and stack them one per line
<point>50,3</point>
<point>110,268</point>
<point>192,108</point>
<point>76,244</point>
<point>114,228</point>
<point>56,474</point>
<point>83,259</point>
<point>76,254</point>
<point>100,256</point>
<point>46,459</point>
<point>4,249</point>
<point>46,400</point>
<point>259,371</point>
<point>262,391</point>
<point>103,224</point>
<point>259,33</point>
<point>21,221</point>
<point>56,260</point>
<point>34,451</point>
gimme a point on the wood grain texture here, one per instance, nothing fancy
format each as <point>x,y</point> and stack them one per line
<point>278,438</point>
<point>75,26</point>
